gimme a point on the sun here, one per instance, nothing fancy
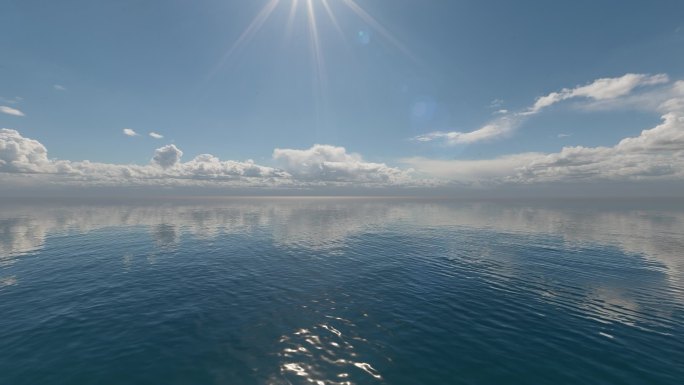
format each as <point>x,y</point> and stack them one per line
<point>314,13</point>
<point>310,9</point>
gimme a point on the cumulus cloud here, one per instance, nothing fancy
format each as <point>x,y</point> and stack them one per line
<point>330,163</point>
<point>19,154</point>
<point>167,156</point>
<point>11,111</point>
<point>319,165</point>
<point>156,135</point>
<point>129,132</point>
<point>24,156</point>
<point>655,154</point>
<point>604,89</point>
<point>209,167</point>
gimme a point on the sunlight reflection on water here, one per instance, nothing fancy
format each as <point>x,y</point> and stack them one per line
<point>342,291</point>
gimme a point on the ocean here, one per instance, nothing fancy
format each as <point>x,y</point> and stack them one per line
<point>341,291</point>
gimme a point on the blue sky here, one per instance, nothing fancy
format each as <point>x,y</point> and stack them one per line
<point>80,72</point>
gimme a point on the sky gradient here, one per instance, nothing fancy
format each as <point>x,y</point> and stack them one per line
<point>342,95</point>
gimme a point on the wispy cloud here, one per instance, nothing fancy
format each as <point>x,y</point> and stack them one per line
<point>129,132</point>
<point>156,135</point>
<point>497,128</point>
<point>600,89</point>
<point>14,100</point>
<point>604,89</point>
<point>11,111</point>
<point>59,87</point>
<point>560,136</point>
<point>496,103</point>
<point>655,154</point>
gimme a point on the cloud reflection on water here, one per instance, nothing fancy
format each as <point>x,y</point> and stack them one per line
<point>492,241</point>
<point>655,234</point>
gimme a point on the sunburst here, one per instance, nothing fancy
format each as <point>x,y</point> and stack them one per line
<point>312,21</point>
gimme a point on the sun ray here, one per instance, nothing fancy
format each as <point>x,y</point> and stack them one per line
<point>319,62</point>
<point>332,17</point>
<point>378,27</point>
<point>320,77</point>
<point>291,19</point>
<point>248,33</point>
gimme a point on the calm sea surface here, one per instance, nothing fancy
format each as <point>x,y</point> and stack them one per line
<point>341,291</point>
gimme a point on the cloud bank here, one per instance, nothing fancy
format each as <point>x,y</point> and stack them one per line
<point>333,164</point>
<point>655,155</point>
<point>319,165</point>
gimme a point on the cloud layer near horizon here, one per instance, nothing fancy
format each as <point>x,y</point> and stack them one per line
<point>318,165</point>
<point>657,154</point>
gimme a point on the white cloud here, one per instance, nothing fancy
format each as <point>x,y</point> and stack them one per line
<point>167,156</point>
<point>496,103</point>
<point>318,166</point>
<point>156,135</point>
<point>494,129</point>
<point>59,87</point>
<point>129,132</point>
<point>561,136</point>
<point>472,171</point>
<point>656,154</point>
<point>605,89</point>
<point>11,111</point>
<point>658,99</point>
<point>330,163</point>
<point>19,154</point>
<point>600,89</point>
<point>209,167</point>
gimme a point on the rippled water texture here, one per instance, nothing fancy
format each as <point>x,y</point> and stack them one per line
<point>342,291</point>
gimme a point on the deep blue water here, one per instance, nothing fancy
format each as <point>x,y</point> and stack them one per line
<point>341,291</point>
